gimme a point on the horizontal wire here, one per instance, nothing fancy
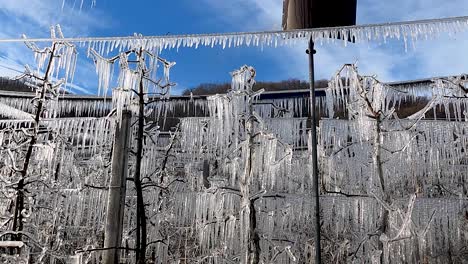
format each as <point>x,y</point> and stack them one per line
<point>298,33</point>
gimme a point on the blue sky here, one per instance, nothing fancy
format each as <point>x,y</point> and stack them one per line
<point>444,56</point>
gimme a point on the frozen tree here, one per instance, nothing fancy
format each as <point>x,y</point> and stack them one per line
<point>26,148</point>
<point>238,210</point>
<point>137,91</point>
<point>366,153</point>
<point>53,164</point>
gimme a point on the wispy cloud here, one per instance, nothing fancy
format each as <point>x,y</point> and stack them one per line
<point>388,61</point>
<point>34,19</point>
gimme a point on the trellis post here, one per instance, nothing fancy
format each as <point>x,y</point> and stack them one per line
<point>304,14</point>
<point>117,190</point>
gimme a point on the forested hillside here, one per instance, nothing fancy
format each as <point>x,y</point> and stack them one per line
<point>7,84</point>
<point>220,88</point>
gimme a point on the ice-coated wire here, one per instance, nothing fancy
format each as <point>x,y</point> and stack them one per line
<point>406,31</point>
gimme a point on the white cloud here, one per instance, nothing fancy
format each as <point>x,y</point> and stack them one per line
<point>34,18</point>
<point>445,56</point>
<point>249,14</point>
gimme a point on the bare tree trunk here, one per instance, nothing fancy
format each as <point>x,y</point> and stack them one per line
<point>206,174</point>
<point>141,214</point>
<point>254,239</point>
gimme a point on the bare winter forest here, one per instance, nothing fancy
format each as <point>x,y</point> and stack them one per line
<point>136,175</point>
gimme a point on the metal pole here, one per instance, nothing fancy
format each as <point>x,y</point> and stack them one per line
<point>117,190</point>
<point>315,175</point>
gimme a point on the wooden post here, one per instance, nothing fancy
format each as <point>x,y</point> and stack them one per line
<point>117,190</point>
